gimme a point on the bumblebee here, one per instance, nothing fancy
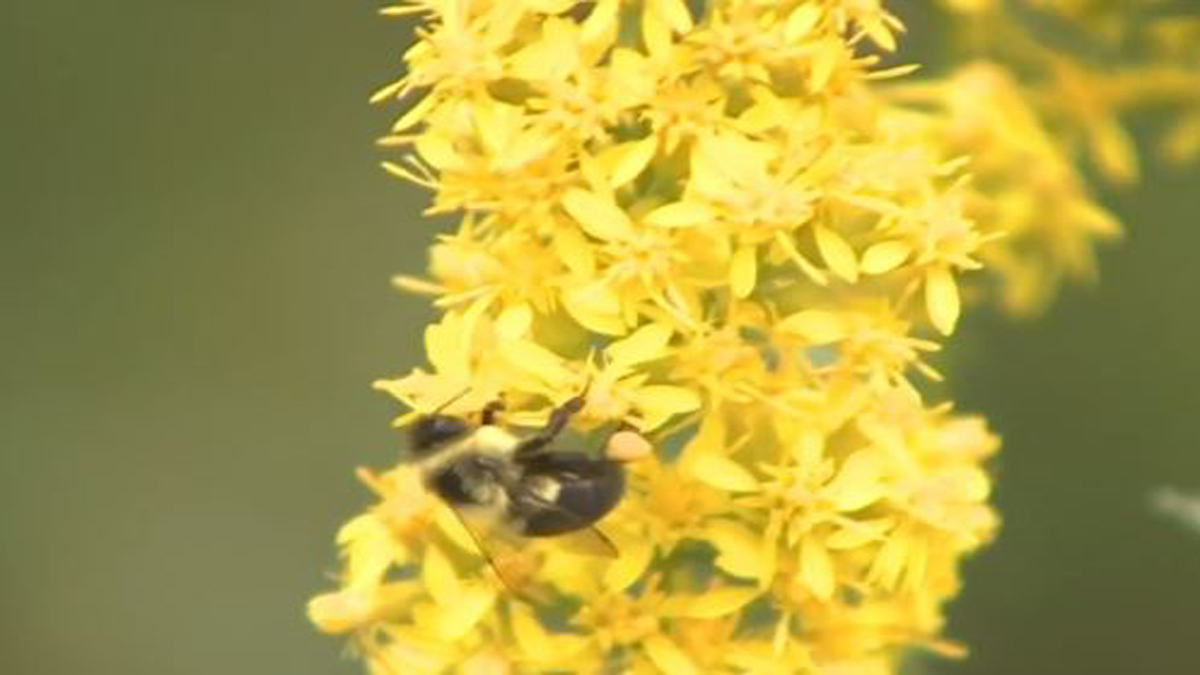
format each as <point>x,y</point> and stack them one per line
<point>507,488</point>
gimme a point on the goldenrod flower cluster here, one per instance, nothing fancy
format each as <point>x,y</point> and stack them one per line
<point>743,235</point>
<point>1029,110</point>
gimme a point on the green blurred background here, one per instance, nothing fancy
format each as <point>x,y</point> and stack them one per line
<point>196,249</point>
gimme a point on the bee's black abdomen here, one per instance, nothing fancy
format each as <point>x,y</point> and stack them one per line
<point>587,489</point>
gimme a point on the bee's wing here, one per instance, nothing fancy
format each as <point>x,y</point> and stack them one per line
<point>497,550</point>
<point>589,541</point>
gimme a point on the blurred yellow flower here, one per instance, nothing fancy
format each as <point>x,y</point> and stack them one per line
<point>743,235</point>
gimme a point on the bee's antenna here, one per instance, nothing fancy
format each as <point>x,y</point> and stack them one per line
<point>452,400</point>
<point>414,415</point>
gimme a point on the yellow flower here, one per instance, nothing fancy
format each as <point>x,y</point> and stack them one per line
<point>743,238</point>
<point>1025,108</point>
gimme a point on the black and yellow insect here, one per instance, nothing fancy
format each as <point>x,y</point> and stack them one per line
<point>506,488</point>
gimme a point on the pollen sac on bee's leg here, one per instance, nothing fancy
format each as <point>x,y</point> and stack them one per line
<point>627,445</point>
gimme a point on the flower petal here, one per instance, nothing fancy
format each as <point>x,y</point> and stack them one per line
<point>680,214</point>
<point>837,253</point>
<point>636,555</point>
<point>596,307</point>
<point>515,321</point>
<point>627,160</point>
<point>884,256</point>
<point>668,656</point>
<point>711,604</point>
<point>660,402</point>
<point>575,251</point>
<point>533,359</point>
<point>369,548</point>
<point>859,533</point>
<point>722,472</point>
<point>816,568</point>
<point>647,343</point>
<point>598,216</point>
<point>857,484</point>
<point>801,21</point>
<point>439,577</point>
<point>743,270</point>
<point>816,326</point>
<point>455,620</point>
<point>530,634</point>
<point>739,550</point>
<point>941,299</point>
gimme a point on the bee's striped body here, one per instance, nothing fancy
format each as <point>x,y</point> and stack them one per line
<point>512,487</point>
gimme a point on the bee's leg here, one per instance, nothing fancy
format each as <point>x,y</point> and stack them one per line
<point>554,426</point>
<point>490,411</point>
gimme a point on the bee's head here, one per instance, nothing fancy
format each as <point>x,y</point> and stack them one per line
<point>431,433</point>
